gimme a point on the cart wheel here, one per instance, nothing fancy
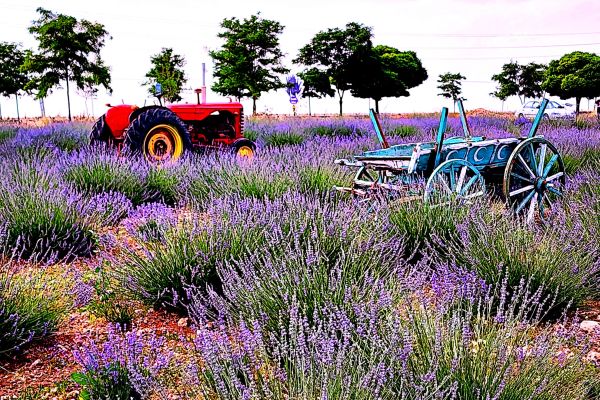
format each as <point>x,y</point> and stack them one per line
<point>534,178</point>
<point>366,181</point>
<point>454,181</point>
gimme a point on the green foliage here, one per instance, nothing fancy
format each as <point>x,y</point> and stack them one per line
<point>31,306</point>
<point>12,78</point>
<point>7,133</point>
<point>332,131</point>
<point>69,50</point>
<point>107,303</point>
<point>402,131</point>
<point>519,80</point>
<point>166,70</point>
<point>320,179</point>
<point>450,86</point>
<point>338,54</point>
<point>387,72</point>
<point>575,74</point>
<point>41,222</point>
<point>99,176</point>
<point>499,249</point>
<point>110,382</point>
<point>286,138</point>
<point>163,184</point>
<point>316,83</point>
<point>187,256</point>
<point>250,60</point>
<point>416,223</point>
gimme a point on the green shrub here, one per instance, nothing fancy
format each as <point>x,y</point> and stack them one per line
<point>31,307</point>
<point>280,139</point>
<point>320,179</point>
<point>164,183</point>
<point>549,259</point>
<point>97,176</point>
<point>186,256</point>
<point>417,223</point>
<point>403,131</point>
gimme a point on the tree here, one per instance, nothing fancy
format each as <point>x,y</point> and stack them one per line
<point>166,70</point>
<point>387,72</point>
<point>522,81</point>
<point>576,74</point>
<point>69,51</point>
<point>12,78</point>
<point>450,85</point>
<point>339,54</point>
<point>249,62</point>
<point>316,84</point>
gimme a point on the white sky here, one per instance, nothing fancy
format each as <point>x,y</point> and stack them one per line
<point>467,36</point>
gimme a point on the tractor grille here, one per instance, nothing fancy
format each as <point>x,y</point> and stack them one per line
<point>242,122</point>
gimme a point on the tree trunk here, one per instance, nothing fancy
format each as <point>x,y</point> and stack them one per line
<point>253,105</point>
<point>68,96</point>
<point>341,102</point>
<point>0,112</point>
<point>577,101</point>
<point>454,107</point>
<point>376,106</point>
<point>17,100</point>
<point>309,106</point>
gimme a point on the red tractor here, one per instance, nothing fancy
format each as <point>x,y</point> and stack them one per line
<point>164,133</point>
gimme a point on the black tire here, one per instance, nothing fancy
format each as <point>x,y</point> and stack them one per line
<point>100,133</point>
<point>240,147</point>
<point>137,132</point>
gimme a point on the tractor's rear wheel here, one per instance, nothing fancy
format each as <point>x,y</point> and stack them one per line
<point>100,133</point>
<point>159,134</point>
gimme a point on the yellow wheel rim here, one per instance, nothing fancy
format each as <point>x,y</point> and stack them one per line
<point>163,143</point>
<point>245,151</point>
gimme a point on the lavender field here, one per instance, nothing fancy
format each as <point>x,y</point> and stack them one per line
<point>223,278</point>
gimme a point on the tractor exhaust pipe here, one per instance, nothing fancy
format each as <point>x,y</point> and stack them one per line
<point>203,83</point>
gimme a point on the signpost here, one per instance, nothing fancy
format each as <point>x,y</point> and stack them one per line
<point>294,89</point>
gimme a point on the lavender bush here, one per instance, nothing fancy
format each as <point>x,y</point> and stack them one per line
<point>30,307</point>
<point>426,347</point>
<point>41,218</point>
<point>124,367</point>
<point>551,259</point>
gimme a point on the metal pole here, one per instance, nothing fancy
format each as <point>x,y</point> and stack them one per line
<point>17,100</point>
<point>42,108</point>
<point>203,83</point>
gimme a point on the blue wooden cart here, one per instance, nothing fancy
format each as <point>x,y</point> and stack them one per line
<point>529,170</point>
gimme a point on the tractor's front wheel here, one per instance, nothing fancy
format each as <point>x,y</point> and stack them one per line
<point>159,134</point>
<point>244,148</point>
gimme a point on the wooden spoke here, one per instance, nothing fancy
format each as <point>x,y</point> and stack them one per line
<point>554,177</point>
<point>540,166</point>
<point>554,190</point>
<point>525,201</point>
<point>521,177</point>
<point>531,210</point>
<point>469,184</point>
<point>521,190</point>
<point>550,165</point>
<point>527,168</point>
<point>534,165</point>
<point>461,179</point>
